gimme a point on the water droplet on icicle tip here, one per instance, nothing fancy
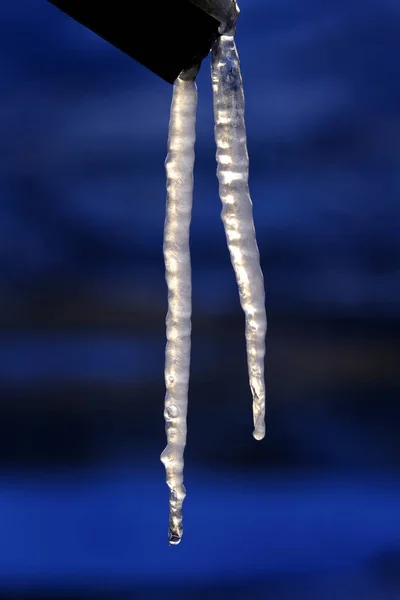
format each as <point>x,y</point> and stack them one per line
<point>174,537</point>
<point>259,434</point>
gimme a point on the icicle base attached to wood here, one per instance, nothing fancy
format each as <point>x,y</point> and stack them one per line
<point>179,169</point>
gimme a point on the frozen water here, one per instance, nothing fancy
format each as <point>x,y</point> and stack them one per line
<point>179,169</point>
<point>237,212</point>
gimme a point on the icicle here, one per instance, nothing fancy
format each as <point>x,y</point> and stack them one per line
<point>237,216</point>
<point>179,168</point>
<point>237,211</point>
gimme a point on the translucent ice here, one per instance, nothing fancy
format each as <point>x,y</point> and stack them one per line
<point>237,212</point>
<point>179,169</point>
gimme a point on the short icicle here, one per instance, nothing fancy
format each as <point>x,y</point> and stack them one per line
<point>179,169</point>
<point>237,211</point>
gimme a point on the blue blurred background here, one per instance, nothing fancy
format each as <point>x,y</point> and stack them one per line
<point>310,513</point>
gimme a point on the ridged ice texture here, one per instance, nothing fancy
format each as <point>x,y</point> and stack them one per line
<point>237,212</point>
<point>179,168</point>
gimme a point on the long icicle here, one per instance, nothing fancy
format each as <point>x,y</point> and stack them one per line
<point>179,169</point>
<point>237,211</point>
